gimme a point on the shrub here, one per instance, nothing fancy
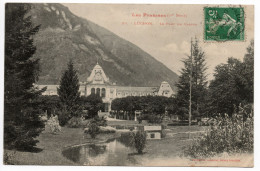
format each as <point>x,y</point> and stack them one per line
<point>44,118</point>
<point>150,118</point>
<point>232,134</point>
<point>9,158</point>
<point>85,123</point>
<point>76,122</point>
<point>53,124</point>
<point>63,117</point>
<point>97,125</point>
<point>139,119</point>
<point>140,141</point>
<point>101,121</point>
<point>103,130</point>
<point>93,129</point>
<point>164,134</point>
<point>107,129</point>
<point>127,138</point>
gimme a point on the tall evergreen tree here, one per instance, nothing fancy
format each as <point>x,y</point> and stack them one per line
<point>197,64</point>
<point>22,123</point>
<point>68,91</point>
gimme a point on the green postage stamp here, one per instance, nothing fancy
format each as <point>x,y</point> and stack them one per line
<point>224,23</point>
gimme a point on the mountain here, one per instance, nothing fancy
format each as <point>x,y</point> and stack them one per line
<point>64,35</point>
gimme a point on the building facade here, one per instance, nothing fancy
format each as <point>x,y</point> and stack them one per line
<point>99,83</point>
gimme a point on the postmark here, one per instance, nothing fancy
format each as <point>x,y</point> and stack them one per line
<point>224,24</point>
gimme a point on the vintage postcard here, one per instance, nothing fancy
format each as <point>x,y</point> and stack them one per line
<point>129,84</point>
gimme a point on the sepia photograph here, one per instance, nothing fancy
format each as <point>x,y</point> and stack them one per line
<point>102,84</point>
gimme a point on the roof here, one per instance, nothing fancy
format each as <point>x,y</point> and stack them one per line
<point>97,66</point>
<point>91,78</point>
<point>54,87</point>
<point>153,128</point>
<point>49,87</point>
<point>164,82</point>
<point>135,89</point>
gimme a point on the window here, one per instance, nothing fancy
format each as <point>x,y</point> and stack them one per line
<point>103,93</point>
<point>93,91</point>
<point>152,135</point>
<point>98,91</point>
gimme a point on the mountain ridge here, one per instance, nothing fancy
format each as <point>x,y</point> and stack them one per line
<point>63,35</point>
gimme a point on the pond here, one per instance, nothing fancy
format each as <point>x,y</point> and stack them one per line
<point>110,153</point>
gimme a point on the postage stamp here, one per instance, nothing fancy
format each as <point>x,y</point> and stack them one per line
<point>224,24</point>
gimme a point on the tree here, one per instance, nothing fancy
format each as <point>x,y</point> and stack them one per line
<point>153,107</point>
<point>172,106</point>
<point>22,123</point>
<point>140,141</point>
<point>92,103</point>
<point>249,72</point>
<point>224,90</point>
<point>68,91</point>
<point>196,63</point>
<point>233,84</point>
<point>49,104</point>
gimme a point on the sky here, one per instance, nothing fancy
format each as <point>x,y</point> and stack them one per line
<point>168,43</point>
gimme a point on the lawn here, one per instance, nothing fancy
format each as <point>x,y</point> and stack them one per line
<point>53,144</point>
<point>122,122</point>
<point>170,147</point>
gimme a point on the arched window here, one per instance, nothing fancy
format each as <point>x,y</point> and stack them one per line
<point>93,91</point>
<point>103,93</point>
<point>98,91</point>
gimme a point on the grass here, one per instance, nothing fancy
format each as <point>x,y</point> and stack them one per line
<point>171,146</point>
<point>169,151</point>
<point>123,122</point>
<point>53,144</point>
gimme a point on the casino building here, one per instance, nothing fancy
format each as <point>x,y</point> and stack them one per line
<point>99,83</point>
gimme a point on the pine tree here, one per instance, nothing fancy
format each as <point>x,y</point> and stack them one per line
<point>22,123</point>
<point>197,64</point>
<point>68,91</point>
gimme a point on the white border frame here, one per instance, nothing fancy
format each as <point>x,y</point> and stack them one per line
<point>79,168</point>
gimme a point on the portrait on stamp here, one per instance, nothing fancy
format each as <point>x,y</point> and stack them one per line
<point>222,24</point>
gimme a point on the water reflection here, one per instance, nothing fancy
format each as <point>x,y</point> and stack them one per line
<point>111,153</point>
